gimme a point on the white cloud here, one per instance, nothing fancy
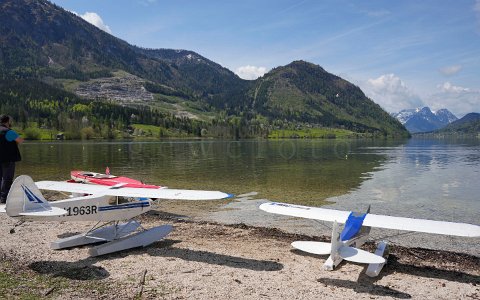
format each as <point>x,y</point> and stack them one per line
<point>451,70</point>
<point>390,92</point>
<point>394,95</point>
<point>459,100</point>
<point>96,20</point>
<point>250,72</point>
<point>447,87</point>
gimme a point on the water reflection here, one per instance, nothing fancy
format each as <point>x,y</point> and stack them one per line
<point>417,176</point>
<point>435,179</point>
<point>291,170</point>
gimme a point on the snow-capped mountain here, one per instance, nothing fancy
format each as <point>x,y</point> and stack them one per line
<point>424,119</point>
<point>404,115</point>
<point>445,115</point>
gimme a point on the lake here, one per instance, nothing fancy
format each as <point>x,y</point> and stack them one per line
<point>423,178</point>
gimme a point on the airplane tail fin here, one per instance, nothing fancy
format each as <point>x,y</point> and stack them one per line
<point>335,237</point>
<point>25,199</point>
<point>360,256</point>
<point>351,253</point>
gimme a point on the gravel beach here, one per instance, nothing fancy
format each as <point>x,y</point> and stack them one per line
<point>202,259</point>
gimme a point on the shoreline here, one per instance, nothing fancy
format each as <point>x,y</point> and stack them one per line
<point>244,210</point>
<point>204,260</point>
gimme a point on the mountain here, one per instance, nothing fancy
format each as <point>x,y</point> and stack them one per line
<point>304,92</point>
<point>445,116</point>
<point>423,119</point>
<point>41,42</point>
<point>39,38</point>
<point>404,115</point>
<point>469,124</point>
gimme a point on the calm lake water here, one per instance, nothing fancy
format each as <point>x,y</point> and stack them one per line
<point>425,178</point>
<point>432,179</point>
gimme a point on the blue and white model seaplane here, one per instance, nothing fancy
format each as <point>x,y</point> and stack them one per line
<point>107,206</point>
<point>356,230</point>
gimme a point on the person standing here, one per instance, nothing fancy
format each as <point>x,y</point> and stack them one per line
<point>9,154</point>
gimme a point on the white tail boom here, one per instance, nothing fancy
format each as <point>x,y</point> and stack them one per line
<point>25,199</point>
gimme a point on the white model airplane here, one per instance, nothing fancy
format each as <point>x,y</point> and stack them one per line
<point>96,203</point>
<point>356,230</point>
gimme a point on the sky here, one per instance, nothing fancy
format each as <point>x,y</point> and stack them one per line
<point>402,54</point>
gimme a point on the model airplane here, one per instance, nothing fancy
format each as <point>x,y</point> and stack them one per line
<point>356,231</point>
<point>97,203</point>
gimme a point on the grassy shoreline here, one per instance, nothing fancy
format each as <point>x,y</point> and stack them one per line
<point>151,132</point>
<point>20,281</point>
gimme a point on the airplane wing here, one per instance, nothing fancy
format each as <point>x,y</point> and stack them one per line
<point>162,193</point>
<point>63,186</point>
<point>307,212</point>
<point>422,225</point>
<point>372,220</point>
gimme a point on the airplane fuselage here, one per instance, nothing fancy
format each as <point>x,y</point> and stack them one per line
<point>96,208</point>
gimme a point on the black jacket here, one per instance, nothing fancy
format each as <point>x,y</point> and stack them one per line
<point>8,150</point>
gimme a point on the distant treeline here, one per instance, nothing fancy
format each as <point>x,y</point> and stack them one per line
<point>33,103</point>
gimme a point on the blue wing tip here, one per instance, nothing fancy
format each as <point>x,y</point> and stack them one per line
<point>229,196</point>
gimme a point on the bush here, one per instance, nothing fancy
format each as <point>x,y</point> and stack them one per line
<point>87,133</point>
<point>32,133</point>
<point>70,135</point>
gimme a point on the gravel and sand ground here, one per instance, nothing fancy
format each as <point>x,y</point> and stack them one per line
<point>207,260</point>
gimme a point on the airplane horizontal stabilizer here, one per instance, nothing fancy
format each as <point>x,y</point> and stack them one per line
<point>319,248</point>
<point>360,256</point>
<point>50,212</point>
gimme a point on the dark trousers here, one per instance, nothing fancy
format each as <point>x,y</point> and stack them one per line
<point>7,171</point>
